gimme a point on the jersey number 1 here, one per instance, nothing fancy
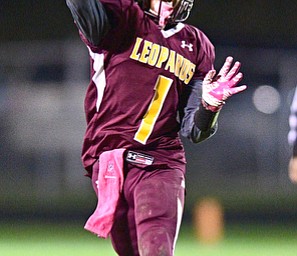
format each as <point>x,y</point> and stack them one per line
<point>146,127</point>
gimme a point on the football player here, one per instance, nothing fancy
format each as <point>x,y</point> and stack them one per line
<point>152,78</point>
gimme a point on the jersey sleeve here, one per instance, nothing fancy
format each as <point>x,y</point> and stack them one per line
<point>91,19</point>
<point>104,24</point>
<point>206,56</point>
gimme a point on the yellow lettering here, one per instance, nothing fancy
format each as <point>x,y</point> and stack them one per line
<point>134,55</point>
<point>178,64</point>
<point>190,73</point>
<point>157,55</point>
<point>163,56</point>
<point>154,54</point>
<point>145,51</point>
<point>184,70</point>
<point>171,62</point>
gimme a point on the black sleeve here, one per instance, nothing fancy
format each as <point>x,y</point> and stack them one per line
<point>90,18</point>
<point>197,123</point>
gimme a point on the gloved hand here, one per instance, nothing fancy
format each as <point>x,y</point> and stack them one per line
<point>217,89</point>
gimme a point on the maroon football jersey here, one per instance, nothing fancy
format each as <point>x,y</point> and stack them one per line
<point>137,77</point>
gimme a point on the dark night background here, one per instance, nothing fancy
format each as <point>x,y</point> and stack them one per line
<point>243,23</point>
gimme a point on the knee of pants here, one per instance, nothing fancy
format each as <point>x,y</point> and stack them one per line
<point>155,200</point>
<point>157,216</point>
<point>155,242</point>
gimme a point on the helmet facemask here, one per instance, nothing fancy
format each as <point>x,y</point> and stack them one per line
<point>181,10</point>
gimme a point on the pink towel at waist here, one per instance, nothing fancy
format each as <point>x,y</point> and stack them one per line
<point>110,184</point>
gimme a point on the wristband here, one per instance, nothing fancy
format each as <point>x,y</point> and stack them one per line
<point>210,107</point>
<point>204,118</point>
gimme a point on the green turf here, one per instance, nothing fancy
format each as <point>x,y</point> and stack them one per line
<point>36,239</point>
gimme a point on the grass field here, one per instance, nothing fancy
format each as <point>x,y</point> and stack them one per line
<point>55,239</point>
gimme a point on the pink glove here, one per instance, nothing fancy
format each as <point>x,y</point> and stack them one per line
<point>217,89</point>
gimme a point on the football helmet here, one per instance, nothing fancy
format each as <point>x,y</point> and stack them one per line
<point>181,9</point>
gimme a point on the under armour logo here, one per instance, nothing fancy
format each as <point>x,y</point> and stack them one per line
<point>184,45</point>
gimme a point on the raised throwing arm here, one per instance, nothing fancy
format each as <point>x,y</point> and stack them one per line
<point>90,18</point>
